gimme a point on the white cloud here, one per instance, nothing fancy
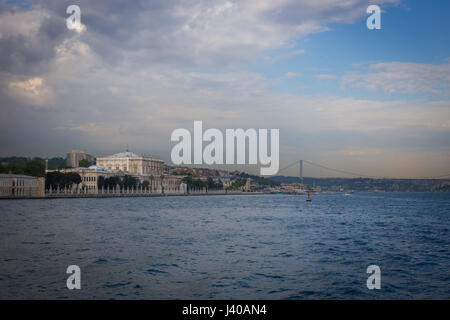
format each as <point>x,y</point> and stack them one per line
<point>325,76</point>
<point>203,33</point>
<point>293,74</point>
<point>23,23</point>
<point>33,91</point>
<point>286,56</point>
<point>360,151</point>
<point>403,77</point>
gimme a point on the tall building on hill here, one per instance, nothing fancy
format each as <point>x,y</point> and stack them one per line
<point>75,156</point>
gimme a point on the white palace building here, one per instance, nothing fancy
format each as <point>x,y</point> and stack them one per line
<point>132,163</point>
<point>144,168</point>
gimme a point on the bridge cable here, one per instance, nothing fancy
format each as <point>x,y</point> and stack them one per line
<point>359,174</point>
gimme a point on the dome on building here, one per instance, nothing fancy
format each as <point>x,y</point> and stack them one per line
<point>126,154</point>
<point>98,168</point>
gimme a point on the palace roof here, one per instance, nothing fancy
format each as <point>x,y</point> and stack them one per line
<point>124,155</point>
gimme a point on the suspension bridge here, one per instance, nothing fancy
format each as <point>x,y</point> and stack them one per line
<point>347,174</point>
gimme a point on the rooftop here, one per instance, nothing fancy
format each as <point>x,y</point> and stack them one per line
<point>129,154</point>
<point>98,168</point>
<point>126,154</point>
<point>11,175</point>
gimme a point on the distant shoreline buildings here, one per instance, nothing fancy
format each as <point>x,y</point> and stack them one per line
<point>127,173</point>
<point>124,173</point>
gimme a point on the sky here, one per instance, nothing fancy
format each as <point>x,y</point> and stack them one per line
<point>369,101</point>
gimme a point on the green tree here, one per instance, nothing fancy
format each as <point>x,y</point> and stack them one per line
<point>34,168</point>
<point>129,181</point>
<point>194,183</point>
<point>112,182</point>
<point>187,180</point>
<point>53,179</point>
<point>100,182</point>
<point>211,184</point>
<point>180,173</point>
<point>57,179</point>
<point>56,163</point>
<point>84,163</point>
<point>238,183</point>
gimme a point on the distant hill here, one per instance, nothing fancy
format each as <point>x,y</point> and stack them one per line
<point>285,179</point>
<point>53,163</point>
<point>32,166</point>
<point>368,184</point>
<point>14,160</point>
<point>261,180</point>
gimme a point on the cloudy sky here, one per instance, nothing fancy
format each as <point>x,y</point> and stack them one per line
<point>370,101</point>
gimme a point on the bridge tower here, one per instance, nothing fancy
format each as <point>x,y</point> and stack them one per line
<point>301,171</point>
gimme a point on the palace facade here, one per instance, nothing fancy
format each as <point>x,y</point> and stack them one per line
<point>132,163</point>
<point>143,168</point>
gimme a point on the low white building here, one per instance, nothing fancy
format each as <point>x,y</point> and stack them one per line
<point>89,176</point>
<point>17,185</point>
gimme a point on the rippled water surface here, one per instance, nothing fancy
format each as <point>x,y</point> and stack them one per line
<point>227,247</point>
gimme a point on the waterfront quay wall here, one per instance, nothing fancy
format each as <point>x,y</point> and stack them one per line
<point>114,193</point>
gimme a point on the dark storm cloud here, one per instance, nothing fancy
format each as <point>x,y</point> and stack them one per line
<point>116,29</point>
<point>29,52</point>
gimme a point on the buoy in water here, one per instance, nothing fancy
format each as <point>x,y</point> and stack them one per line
<point>309,197</point>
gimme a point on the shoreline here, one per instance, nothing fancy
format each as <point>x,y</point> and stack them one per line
<point>98,196</point>
<point>90,196</point>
